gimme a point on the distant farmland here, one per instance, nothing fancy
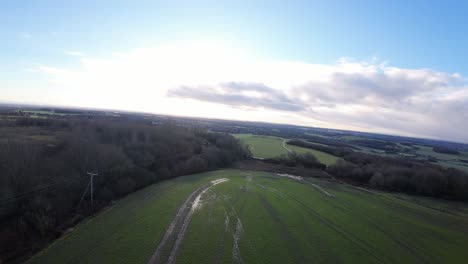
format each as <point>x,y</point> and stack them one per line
<point>235,216</point>
<point>268,147</point>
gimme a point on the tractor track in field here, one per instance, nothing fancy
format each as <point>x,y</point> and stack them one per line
<point>344,206</point>
<point>304,181</point>
<point>404,207</point>
<point>285,234</point>
<point>341,206</point>
<point>234,228</point>
<point>360,243</point>
<point>236,236</point>
<point>320,189</point>
<point>168,247</point>
<point>222,238</point>
<point>273,190</point>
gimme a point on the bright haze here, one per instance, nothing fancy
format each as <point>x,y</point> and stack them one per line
<point>398,67</point>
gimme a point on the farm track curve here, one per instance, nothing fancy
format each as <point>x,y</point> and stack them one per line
<point>168,247</point>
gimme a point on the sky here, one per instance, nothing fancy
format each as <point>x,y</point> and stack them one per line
<point>396,67</point>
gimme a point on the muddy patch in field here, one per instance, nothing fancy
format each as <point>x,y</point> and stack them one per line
<point>322,190</point>
<point>236,236</point>
<point>294,177</point>
<point>197,202</point>
<point>364,189</point>
<point>167,250</point>
<point>233,226</point>
<point>226,221</point>
<point>218,181</point>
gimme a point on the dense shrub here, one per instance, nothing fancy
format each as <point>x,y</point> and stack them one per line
<point>402,175</point>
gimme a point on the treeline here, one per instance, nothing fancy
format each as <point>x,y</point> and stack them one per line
<point>326,141</point>
<point>400,175</point>
<point>394,173</point>
<point>293,159</point>
<point>387,146</point>
<point>445,150</point>
<point>339,152</point>
<point>42,183</point>
<point>340,149</point>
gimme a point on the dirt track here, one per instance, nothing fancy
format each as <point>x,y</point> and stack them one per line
<point>286,148</point>
<point>166,252</point>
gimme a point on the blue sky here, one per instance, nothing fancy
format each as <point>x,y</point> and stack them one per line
<point>48,45</point>
<point>406,33</point>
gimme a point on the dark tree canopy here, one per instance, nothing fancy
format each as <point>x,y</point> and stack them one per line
<point>43,174</point>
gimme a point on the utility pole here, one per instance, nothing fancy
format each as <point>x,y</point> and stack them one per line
<point>91,183</point>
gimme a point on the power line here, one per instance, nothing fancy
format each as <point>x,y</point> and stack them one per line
<point>39,187</point>
<point>46,187</point>
<point>36,190</point>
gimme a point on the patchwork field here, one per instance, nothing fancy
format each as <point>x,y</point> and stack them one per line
<point>447,160</point>
<point>458,161</point>
<point>268,147</point>
<point>240,216</point>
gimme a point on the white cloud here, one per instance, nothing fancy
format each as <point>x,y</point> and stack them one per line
<point>74,53</point>
<point>223,82</point>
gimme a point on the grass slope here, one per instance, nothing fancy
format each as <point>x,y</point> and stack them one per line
<point>258,217</point>
<point>129,231</point>
<point>268,147</point>
<point>323,157</point>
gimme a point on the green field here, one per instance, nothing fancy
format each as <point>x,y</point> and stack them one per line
<point>446,160</point>
<point>428,151</point>
<point>257,217</point>
<point>268,147</point>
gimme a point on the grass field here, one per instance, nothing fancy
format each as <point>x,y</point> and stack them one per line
<point>446,160</point>
<point>257,217</point>
<point>27,134</point>
<point>323,157</point>
<point>428,151</point>
<point>268,147</point>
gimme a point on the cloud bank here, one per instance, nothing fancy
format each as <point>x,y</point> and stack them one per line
<point>252,95</point>
<point>224,83</point>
